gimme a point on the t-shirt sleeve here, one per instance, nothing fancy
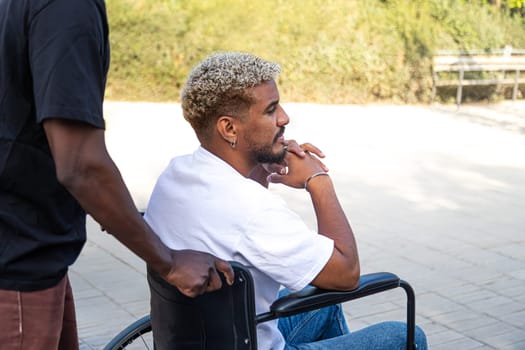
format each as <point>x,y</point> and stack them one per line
<point>69,58</point>
<point>281,245</point>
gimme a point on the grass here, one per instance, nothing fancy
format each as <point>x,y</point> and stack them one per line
<point>331,51</point>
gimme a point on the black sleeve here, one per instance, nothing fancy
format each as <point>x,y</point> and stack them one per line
<point>69,58</point>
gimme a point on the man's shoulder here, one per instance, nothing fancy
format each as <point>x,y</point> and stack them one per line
<point>214,179</point>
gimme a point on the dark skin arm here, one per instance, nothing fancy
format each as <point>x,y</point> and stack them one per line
<point>86,170</point>
<point>342,270</point>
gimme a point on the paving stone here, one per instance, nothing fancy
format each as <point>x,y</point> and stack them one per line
<point>507,340</point>
<point>432,304</point>
<point>517,346</point>
<point>476,322</point>
<point>498,306</point>
<point>478,295</point>
<point>516,318</point>
<point>462,343</point>
<point>445,335</point>
<point>496,331</point>
<point>505,285</point>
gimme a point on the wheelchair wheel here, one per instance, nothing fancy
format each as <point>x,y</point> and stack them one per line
<point>137,335</point>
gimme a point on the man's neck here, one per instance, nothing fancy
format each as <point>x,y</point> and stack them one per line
<point>234,157</point>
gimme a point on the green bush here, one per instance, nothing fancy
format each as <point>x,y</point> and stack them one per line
<point>331,51</point>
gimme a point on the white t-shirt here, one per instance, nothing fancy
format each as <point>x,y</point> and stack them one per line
<point>200,202</point>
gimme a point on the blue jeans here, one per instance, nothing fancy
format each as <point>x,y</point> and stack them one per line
<point>326,329</point>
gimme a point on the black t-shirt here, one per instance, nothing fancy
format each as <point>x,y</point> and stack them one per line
<point>54,57</point>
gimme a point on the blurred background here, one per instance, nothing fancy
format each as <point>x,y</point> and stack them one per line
<point>331,51</point>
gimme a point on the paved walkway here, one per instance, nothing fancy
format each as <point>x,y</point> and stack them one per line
<point>434,194</point>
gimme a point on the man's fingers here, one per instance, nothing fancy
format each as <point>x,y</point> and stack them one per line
<point>308,147</point>
<point>323,166</point>
<point>226,269</point>
<point>275,178</point>
<point>305,148</point>
<point>194,291</point>
<point>293,147</point>
<point>214,281</point>
<point>275,168</point>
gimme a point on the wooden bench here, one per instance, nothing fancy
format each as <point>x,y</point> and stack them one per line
<point>494,67</point>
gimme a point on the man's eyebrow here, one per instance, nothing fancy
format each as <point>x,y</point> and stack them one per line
<point>271,105</point>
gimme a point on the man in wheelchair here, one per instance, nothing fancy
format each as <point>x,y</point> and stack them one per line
<point>216,200</point>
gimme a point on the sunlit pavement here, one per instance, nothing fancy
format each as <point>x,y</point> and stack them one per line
<point>434,194</point>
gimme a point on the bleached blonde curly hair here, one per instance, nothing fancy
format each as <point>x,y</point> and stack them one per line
<point>219,86</point>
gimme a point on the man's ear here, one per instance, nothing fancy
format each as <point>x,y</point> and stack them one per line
<point>227,128</point>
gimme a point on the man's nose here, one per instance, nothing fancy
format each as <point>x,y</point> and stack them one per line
<point>282,117</point>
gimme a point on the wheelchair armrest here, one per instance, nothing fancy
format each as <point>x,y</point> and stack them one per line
<point>311,298</point>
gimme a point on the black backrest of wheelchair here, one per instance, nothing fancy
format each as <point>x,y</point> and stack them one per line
<point>220,320</point>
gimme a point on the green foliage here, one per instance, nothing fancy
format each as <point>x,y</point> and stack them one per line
<point>331,51</point>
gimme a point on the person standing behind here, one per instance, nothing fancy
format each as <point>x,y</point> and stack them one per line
<point>216,200</point>
<point>54,167</point>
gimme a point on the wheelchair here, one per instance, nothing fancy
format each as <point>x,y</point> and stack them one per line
<point>226,319</point>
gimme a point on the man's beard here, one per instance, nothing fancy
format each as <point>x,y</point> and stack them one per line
<point>265,154</point>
